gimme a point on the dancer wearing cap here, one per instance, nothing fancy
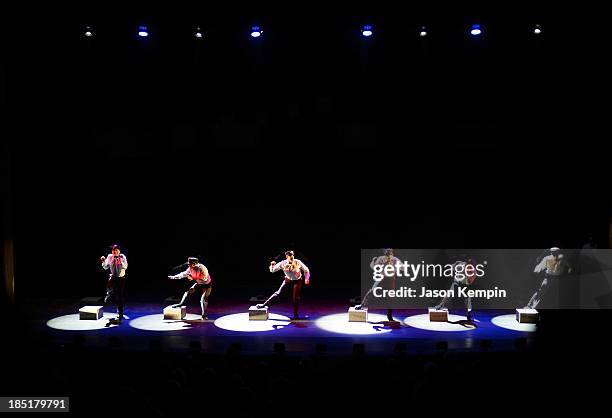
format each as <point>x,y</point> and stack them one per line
<point>387,259</point>
<point>117,264</point>
<point>292,268</point>
<point>198,273</point>
<point>554,266</point>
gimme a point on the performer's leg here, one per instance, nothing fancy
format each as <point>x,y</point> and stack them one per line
<point>119,289</point>
<point>297,291</point>
<point>184,298</point>
<point>390,314</point>
<point>445,300</point>
<point>537,296</point>
<point>275,294</point>
<point>204,300</point>
<point>109,289</point>
<point>468,306</point>
<point>364,300</point>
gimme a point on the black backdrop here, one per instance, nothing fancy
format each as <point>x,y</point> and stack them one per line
<point>310,137</point>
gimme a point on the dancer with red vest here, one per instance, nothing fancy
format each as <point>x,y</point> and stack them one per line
<point>198,273</point>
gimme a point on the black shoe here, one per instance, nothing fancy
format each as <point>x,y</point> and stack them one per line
<point>358,307</point>
<point>204,317</point>
<point>390,318</point>
<point>260,306</point>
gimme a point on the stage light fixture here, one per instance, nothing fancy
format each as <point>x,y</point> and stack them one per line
<point>198,33</point>
<point>143,32</point>
<point>537,29</point>
<point>423,31</point>
<point>88,32</point>
<point>476,30</point>
<point>256,31</point>
<point>366,31</point>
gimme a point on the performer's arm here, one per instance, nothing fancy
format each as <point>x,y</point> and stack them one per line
<point>306,272</point>
<point>206,275</point>
<point>123,261</point>
<point>179,276</point>
<point>274,266</point>
<point>105,264</point>
<point>568,266</point>
<point>540,267</point>
<point>374,262</point>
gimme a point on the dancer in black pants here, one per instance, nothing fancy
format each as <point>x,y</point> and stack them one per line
<point>292,268</point>
<point>117,264</point>
<point>197,273</point>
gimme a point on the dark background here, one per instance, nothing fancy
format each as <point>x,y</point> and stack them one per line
<point>311,137</point>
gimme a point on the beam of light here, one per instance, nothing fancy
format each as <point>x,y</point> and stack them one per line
<point>476,30</point>
<point>73,323</point>
<point>143,32</point>
<point>422,322</point>
<point>510,322</point>
<point>366,30</point>
<point>423,31</point>
<point>240,322</point>
<point>158,323</point>
<point>537,29</point>
<point>339,324</point>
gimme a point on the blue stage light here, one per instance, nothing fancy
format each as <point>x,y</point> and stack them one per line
<point>476,30</point>
<point>256,31</point>
<point>143,31</point>
<point>366,30</point>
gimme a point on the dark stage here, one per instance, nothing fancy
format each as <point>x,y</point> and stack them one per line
<point>235,135</point>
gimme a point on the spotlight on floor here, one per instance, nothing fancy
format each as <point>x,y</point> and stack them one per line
<point>476,30</point>
<point>256,31</point>
<point>423,32</point>
<point>366,31</point>
<point>143,32</point>
<point>537,29</point>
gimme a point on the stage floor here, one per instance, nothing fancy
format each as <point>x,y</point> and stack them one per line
<point>325,327</point>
